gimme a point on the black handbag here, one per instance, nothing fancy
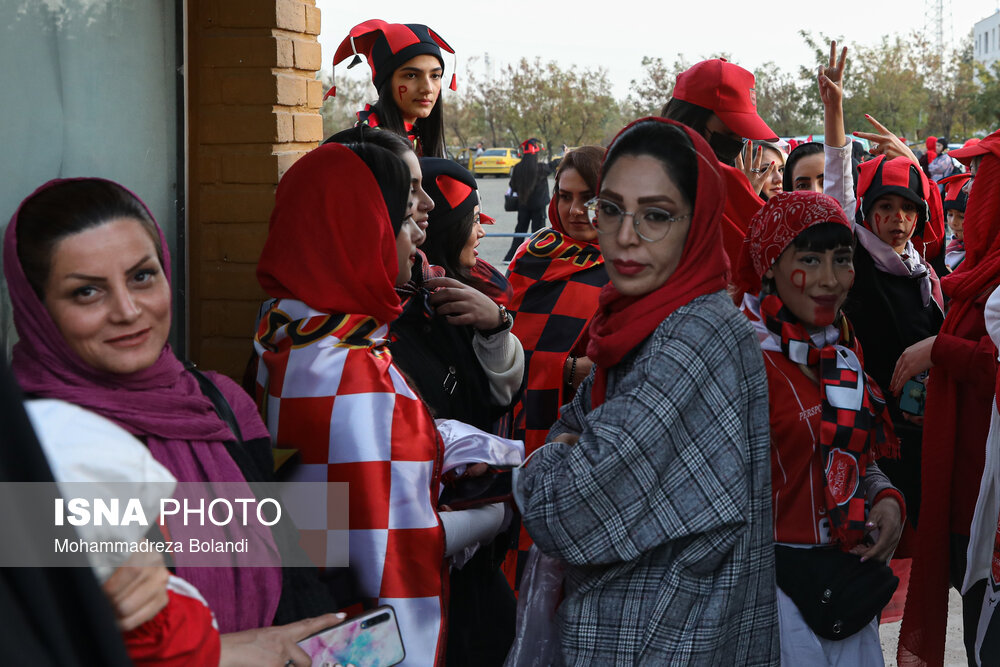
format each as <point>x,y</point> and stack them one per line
<point>510,201</point>
<point>835,592</point>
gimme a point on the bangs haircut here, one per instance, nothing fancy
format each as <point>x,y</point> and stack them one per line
<point>824,236</point>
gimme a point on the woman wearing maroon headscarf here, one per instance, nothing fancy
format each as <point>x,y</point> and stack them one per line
<point>88,273</point>
<point>963,364</point>
<point>654,485</point>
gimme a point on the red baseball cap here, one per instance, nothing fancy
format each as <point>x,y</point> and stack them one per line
<point>991,144</point>
<point>728,90</point>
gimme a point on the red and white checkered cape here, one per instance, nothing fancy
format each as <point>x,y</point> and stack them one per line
<point>333,393</point>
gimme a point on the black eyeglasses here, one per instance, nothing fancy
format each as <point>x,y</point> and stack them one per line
<point>651,224</point>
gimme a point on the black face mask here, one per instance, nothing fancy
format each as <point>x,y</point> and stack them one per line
<point>726,148</point>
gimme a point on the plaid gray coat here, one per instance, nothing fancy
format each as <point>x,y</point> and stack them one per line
<point>662,510</point>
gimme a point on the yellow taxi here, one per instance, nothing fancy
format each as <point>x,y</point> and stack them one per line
<point>497,161</point>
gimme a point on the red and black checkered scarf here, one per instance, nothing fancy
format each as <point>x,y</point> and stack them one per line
<point>852,430</point>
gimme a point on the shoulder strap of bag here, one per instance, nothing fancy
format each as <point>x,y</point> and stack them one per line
<point>214,394</point>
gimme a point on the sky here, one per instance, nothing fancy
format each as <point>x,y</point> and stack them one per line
<point>589,34</point>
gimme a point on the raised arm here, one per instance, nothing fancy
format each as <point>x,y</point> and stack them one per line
<point>838,175</point>
<point>831,91</point>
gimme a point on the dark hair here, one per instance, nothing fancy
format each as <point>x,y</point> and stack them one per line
<point>694,116</point>
<point>799,152</point>
<point>430,130</point>
<point>667,143</point>
<point>362,134</point>
<point>824,236</point>
<point>587,162</point>
<point>820,237</point>
<point>392,176</point>
<point>69,208</point>
<point>444,244</point>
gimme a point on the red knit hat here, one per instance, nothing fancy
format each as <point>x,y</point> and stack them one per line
<point>728,90</point>
<point>387,46</point>
<point>898,176</point>
<point>783,217</point>
<point>954,197</point>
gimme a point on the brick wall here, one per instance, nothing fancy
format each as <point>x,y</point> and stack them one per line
<point>253,107</point>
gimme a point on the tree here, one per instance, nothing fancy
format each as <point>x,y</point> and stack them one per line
<point>539,99</point>
<point>339,111</point>
<point>563,106</point>
<point>648,95</point>
<point>887,82</point>
<point>779,101</point>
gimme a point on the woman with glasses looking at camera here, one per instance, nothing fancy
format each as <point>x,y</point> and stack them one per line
<point>654,485</point>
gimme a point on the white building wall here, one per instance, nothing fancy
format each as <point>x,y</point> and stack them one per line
<point>986,39</point>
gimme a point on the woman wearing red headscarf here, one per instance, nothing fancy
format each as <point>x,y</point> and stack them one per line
<point>557,277</point>
<point>339,243</point>
<point>654,485</point>
<point>961,387</point>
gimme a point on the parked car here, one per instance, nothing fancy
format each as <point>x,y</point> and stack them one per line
<point>497,161</point>
<point>464,156</point>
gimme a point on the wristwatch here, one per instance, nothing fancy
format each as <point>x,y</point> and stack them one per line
<point>505,322</point>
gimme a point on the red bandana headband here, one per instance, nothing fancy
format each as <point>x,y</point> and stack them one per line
<point>773,227</point>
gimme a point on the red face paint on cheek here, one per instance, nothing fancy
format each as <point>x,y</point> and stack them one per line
<point>798,279</point>
<point>877,221</point>
<point>400,90</point>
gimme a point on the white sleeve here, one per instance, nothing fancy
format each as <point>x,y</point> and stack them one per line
<point>466,528</point>
<point>838,179</point>
<point>502,359</point>
<point>83,447</point>
<point>991,313</point>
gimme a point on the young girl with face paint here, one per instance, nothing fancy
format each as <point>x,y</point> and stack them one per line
<point>407,70</point>
<point>800,249</point>
<point>896,299</point>
<point>955,199</point>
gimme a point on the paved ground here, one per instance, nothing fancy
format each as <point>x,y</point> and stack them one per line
<point>491,191</point>
<point>954,650</point>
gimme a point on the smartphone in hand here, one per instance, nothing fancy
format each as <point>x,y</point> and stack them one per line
<point>369,640</point>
